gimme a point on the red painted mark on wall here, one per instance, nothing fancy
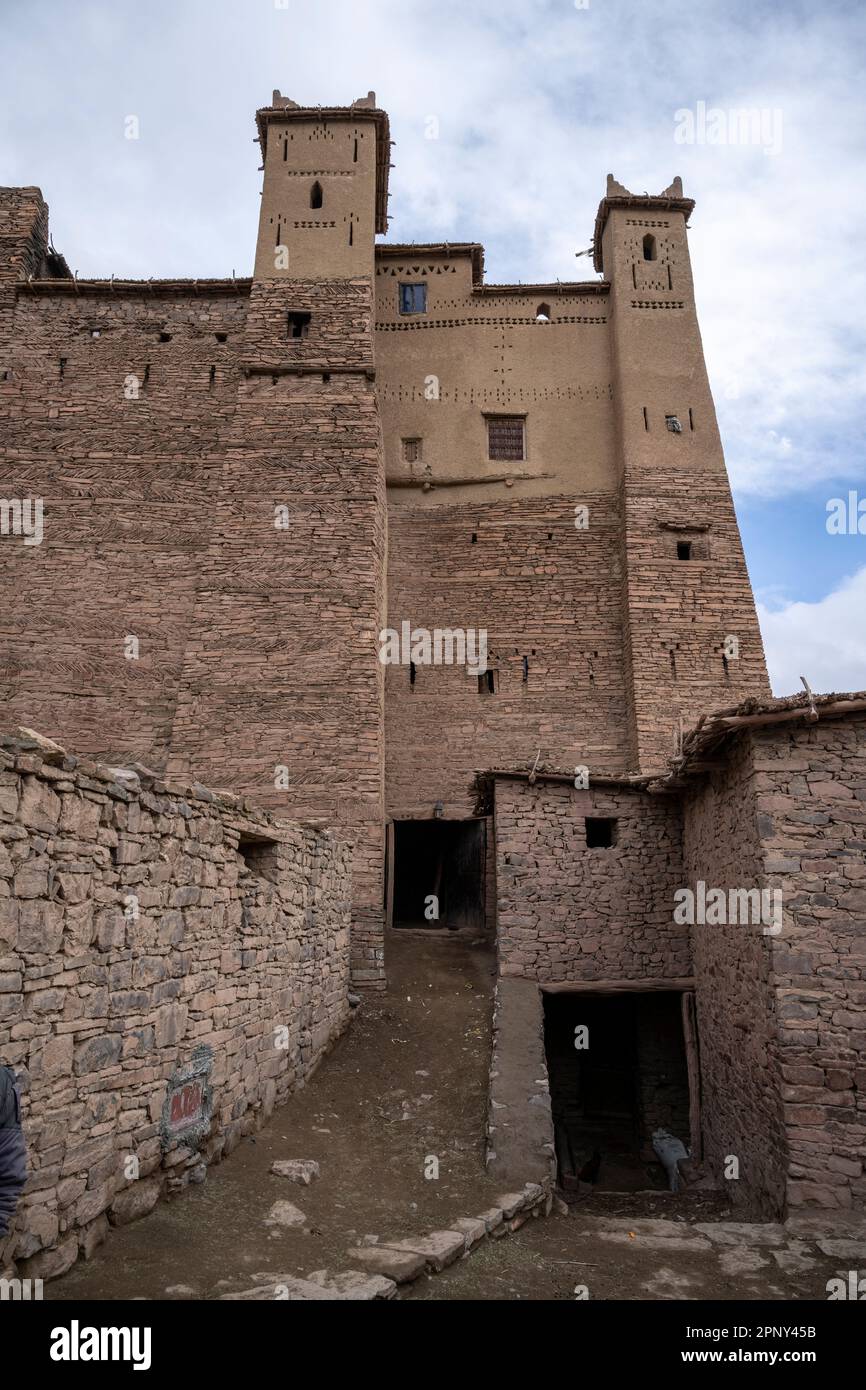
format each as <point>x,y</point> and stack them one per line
<point>186,1105</point>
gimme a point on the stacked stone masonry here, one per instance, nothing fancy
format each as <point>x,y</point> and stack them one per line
<point>152,936</point>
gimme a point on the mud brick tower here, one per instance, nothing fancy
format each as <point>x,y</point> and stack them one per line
<point>251,477</point>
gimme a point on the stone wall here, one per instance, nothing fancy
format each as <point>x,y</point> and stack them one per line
<point>226,514</point>
<point>741,1087</point>
<point>520,570</point>
<point>810,799</point>
<point>570,913</point>
<point>782,1017</point>
<point>172,965</point>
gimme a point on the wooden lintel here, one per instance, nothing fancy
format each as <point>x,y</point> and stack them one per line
<point>653,985</point>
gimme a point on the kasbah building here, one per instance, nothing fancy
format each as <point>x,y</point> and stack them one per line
<point>231,801</point>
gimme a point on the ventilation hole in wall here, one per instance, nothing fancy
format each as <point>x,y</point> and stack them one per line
<point>285,149</point>
<point>670,281</point>
<point>600,832</point>
<point>355,156</point>
<point>634,276</point>
<point>316,196</point>
<point>221,337</point>
<point>691,419</point>
<point>146,373</point>
<point>165,337</point>
<point>673,661</point>
<point>279,230</point>
<point>6,374</point>
<point>525,669</point>
<point>726,667</point>
<point>299,325</point>
<point>487,683</point>
<point>62,368</point>
<point>411,673</point>
<point>684,550</point>
<point>326,377</point>
<point>212,375</point>
<point>645,419</point>
<point>474,537</point>
<point>351,232</point>
<point>96,332</point>
<point>550,535</point>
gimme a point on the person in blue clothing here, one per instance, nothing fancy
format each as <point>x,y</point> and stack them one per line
<point>13,1150</point>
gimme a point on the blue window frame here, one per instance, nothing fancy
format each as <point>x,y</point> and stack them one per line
<point>413,299</point>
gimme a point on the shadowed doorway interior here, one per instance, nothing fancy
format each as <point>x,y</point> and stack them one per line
<point>439,867</point>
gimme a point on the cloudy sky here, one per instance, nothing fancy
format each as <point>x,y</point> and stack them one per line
<point>536,101</point>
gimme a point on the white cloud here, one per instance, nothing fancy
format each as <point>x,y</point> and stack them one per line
<point>823,641</point>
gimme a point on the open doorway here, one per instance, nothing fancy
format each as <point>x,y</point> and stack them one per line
<point>438,874</point>
<point>618,1071</point>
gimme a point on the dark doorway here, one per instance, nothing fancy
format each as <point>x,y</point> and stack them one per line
<point>439,870</point>
<point>627,1077</point>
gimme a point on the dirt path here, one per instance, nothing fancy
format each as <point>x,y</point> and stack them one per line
<point>408,1080</point>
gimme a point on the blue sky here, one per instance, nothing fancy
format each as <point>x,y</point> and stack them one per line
<point>536,101</point>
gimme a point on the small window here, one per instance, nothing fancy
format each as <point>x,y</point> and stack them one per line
<point>506,437</point>
<point>411,450</point>
<point>316,198</point>
<point>650,251</point>
<point>673,424</point>
<point>260,857</point>
<point>600,832</point>
<point>221,337</point>
<point>413,299</point>
<point>488,682</point>
<point>165,337</point>
<point>299,325</point>
<point>542,313</point>
<point>684,550</point>
<point>96,332</point>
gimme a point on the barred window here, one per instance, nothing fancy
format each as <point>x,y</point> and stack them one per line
<point>505,437</point>
<point>411,450</point>
<point>413,299</point>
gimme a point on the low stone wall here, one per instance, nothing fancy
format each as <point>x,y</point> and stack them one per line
<point>520,1141</point>
<point>172,965</point>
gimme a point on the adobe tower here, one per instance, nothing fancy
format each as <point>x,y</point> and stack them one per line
<point>247,480</point>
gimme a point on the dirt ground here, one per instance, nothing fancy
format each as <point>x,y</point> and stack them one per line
<point>406,1083</point>
<point>690,1251</point>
